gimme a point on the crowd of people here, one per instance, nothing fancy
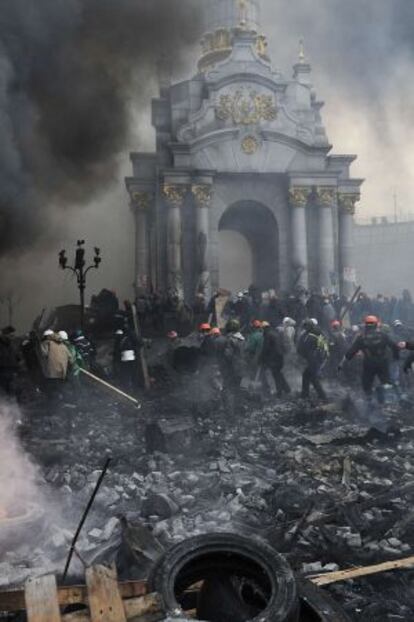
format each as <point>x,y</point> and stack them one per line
<point>252,342</point>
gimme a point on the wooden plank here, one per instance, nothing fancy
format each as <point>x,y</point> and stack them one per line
<point>42,600</point>
<point>13,600</point>
<point>363,571</point>
<point>105,602</point>
<point>137,607</point>
<point>149,606</point>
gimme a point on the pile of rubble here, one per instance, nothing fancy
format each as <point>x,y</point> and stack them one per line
<point>323,488</point>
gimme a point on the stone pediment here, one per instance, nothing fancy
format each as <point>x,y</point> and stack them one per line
<point>247,104</point>
<point>243,92</point>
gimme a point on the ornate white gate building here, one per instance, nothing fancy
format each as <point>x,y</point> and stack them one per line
<point>240,147</point>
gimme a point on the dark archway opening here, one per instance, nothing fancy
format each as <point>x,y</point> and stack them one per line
<point>256,223</point>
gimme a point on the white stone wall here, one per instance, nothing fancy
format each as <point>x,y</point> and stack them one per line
<point>384,257</point>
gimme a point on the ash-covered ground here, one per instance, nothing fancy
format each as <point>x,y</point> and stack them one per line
<point>316,481</point>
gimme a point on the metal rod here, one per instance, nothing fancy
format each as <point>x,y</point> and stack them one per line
<point>84,517</point>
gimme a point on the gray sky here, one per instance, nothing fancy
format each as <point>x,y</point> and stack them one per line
<point>362,55</point>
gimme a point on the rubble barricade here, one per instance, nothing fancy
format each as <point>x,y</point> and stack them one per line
<point>230,577</point>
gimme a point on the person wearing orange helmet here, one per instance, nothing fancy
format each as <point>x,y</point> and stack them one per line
<point>376,347</point>
<point>204,330</point>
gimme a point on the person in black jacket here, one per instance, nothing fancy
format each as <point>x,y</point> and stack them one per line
<point>9,362</point>
<point>314,348</point>
<point>272,357</point>
<point>408,363</point>
<point>376,347</point>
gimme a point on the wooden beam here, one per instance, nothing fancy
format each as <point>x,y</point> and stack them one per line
<point>13,600</point>
<point>363,571</point>
<point>105,602</point>
<point>42,600</point>
<point>145,608</point>
<point>146,605</point>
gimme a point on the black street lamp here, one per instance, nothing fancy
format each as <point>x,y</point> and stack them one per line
<point>80,271</point>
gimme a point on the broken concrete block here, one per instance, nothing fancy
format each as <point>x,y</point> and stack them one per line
<point>96,534</point>
<point>312,568</point>
<point>354,540</point>
<point>160,505</point>
<point>110,528</point>
<point>170,436</point>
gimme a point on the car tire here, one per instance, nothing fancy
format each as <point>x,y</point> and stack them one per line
<point>203,558</point>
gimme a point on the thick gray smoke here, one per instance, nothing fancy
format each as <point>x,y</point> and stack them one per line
<point>362,54</point>
<point>68,72</point>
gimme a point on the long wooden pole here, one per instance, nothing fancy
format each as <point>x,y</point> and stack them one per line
<point>363,571</point>
<point>111,387</point>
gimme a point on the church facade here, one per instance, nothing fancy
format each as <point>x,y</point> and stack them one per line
<point>240,147</point>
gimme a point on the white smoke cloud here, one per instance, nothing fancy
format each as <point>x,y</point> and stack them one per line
<point>19,477</point>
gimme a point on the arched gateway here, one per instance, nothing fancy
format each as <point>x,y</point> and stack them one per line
<point>241,147</point>
<point>256,223</point>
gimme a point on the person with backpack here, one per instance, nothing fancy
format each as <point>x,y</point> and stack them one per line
<point>313,347</point>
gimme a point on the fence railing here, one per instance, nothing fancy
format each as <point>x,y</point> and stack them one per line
<point>385,220</point>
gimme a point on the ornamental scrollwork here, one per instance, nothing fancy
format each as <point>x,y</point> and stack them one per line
<point>326,195</point>
<point>174,194</point>
<point>299,196</point>
<point>203,194</point>
<point>347,202</point>
<point>142,200</point>
<point>246,107</point>
<point>249,145</point>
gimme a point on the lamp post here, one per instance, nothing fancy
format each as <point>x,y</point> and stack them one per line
<point>80,271</point>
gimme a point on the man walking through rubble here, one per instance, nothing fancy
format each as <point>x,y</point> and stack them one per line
<point>376,347</point>
<point>272,357</point>
<point>232,366</point>
<point>314,348</point>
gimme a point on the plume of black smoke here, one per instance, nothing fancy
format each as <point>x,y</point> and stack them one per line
<point>68,72</point>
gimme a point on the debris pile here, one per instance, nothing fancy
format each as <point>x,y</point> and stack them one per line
<point>323,488</point>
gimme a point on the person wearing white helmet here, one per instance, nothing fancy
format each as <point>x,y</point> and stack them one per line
<point>55,359</point>
<point>76,363</point>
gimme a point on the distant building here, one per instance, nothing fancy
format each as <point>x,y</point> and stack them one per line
<point>384,256</point>
<point>240,147</point>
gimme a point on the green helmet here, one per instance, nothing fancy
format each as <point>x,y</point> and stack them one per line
<point>232,326</point>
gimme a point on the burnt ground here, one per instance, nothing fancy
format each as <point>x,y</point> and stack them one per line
<point>316,481</point>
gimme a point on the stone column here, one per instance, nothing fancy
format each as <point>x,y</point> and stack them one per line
<point>326,200</point>
<point>346,204</point>
<point>202,194</point>
<point>298,200</point>
<point>174,197</point>
<point>141,202</point>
